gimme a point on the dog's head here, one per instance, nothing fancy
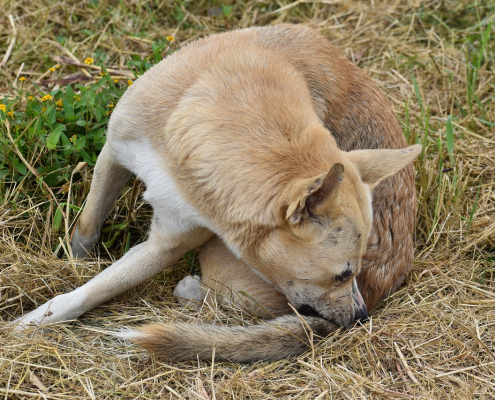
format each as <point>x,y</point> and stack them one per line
<point>315,255</point>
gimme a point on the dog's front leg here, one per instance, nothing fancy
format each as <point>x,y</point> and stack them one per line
<point>140,264</point>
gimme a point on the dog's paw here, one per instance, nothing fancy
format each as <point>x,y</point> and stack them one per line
<point>82,246</point>
<point>189,291</point>
<point>59,309</point>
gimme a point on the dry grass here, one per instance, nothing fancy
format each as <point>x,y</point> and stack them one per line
<point>432,339</point>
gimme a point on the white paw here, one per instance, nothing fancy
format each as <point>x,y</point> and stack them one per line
<point>189,290</point>
<point>61,308</point>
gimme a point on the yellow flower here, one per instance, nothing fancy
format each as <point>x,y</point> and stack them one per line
<point>52,69</point>
<point>170,38</point>
<point>22,79</point>
<point>46,97</point>
<point>88,61</point>
<point>129,82</point>
<point>116,80</point>
<point>103,73</point>
<point>110,105</point>
<point>57,66</point>
<point>65,187</point>
<point>11,114</point>
<point>3,108</point>
<point>60,103</point>
<point>30,98</point>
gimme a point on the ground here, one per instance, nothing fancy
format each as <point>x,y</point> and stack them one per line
<point>434,338</point>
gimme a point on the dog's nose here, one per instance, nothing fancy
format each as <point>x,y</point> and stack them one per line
<point>361,315</point>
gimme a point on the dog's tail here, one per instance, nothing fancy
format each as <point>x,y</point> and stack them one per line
<point>279,338</point>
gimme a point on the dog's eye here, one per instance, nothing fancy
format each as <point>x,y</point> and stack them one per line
<point>346,275</point>
<point>343,277</point>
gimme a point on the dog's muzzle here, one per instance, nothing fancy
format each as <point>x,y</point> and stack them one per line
<point>360,310</point>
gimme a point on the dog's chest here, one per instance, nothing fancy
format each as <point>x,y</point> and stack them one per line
<point>172,213</point>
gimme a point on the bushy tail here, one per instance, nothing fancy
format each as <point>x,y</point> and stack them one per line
<point>279,338</point>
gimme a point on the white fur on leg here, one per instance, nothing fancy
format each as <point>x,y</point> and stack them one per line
<point>189,291</point>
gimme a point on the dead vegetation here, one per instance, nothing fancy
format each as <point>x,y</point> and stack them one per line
<point>432,339</point>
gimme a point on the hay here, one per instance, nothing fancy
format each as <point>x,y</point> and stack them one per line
<point>432,339</point>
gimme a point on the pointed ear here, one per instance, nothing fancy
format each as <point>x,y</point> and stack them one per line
<point>375,165</point>
<point>309,194</point>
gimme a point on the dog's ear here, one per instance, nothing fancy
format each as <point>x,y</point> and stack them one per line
<point>308,195</point>
<point>375,165</point>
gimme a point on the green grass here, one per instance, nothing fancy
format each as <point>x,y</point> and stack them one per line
<point>66,125</point>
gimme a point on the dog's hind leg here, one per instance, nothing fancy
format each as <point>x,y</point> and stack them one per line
<point>226,278</point>
<point>108,180</point>
<point>138,265</point>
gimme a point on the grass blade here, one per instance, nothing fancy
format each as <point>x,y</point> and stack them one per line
<point>450,138</point>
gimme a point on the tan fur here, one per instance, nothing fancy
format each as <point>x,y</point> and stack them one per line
<point>282,337</point>
<point>227,278</point>
<point>250,133</point>
<point>351,108</point>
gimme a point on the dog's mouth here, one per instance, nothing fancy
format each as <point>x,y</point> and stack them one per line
<point>361,315</point>
<point>309,311</point>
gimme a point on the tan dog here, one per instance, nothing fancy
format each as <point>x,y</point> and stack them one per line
<point>235,137</point>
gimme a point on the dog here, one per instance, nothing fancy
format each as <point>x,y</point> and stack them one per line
<point>266,146</point>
